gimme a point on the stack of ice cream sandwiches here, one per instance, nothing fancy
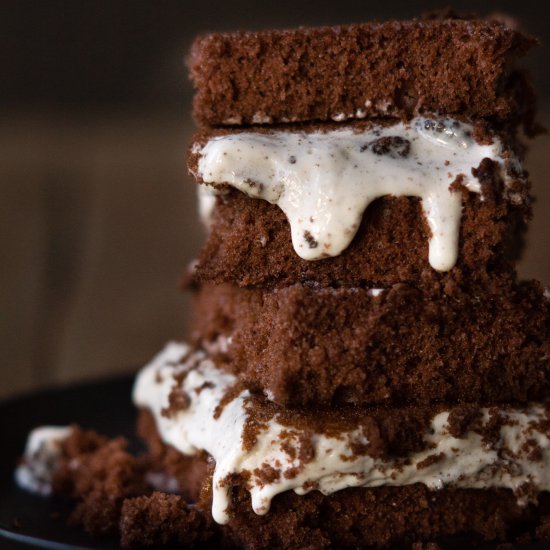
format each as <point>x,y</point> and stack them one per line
<point>365,369</point>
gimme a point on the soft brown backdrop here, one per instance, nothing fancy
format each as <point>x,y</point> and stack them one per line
<point>97,214</point>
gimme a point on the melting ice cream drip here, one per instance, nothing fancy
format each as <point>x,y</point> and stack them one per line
<point>324,182</point>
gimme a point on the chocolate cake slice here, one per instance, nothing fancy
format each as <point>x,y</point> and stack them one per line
<point>380,202</point>
<point>317,347</point>
<point>365,369</point>
<point>396,68</point>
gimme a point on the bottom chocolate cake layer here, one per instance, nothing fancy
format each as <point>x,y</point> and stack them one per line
<point>117,494</point>
<point>269,450</point>
<point>351,518</point>
<point>325,346</point>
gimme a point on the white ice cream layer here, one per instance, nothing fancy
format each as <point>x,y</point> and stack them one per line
<point>323,182</point>
<point>466,462</point>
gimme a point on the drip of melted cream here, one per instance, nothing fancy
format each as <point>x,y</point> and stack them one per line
<point>323,182</point>
<point>465,462</point>
<point>207,201</point>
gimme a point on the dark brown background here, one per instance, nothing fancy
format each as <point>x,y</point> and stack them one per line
<point>97,214</point>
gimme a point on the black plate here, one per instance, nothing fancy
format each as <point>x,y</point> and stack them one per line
<point>105,406</point>
<point>27,519</point>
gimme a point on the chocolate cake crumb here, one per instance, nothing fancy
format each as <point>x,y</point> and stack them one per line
<point>231,394</point>
<point>429,460</point>
<point>542,425</point>
<point>257,417</point>
<point>99,474</point>
<point>306,448</point>
<point>286,445</point>
<point>531,450</point>
<point>375,445</point>
<point>178,400</point>
<point>458,186</point>
<point>267,474</point>
<point>204,386</point>
<point>490,431</point>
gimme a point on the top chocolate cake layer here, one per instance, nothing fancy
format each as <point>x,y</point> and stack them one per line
<point>396,68</point>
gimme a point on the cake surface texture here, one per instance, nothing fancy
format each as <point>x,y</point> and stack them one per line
<point>307,346</point>
<point>364,369</point>
<point>397,68</point>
